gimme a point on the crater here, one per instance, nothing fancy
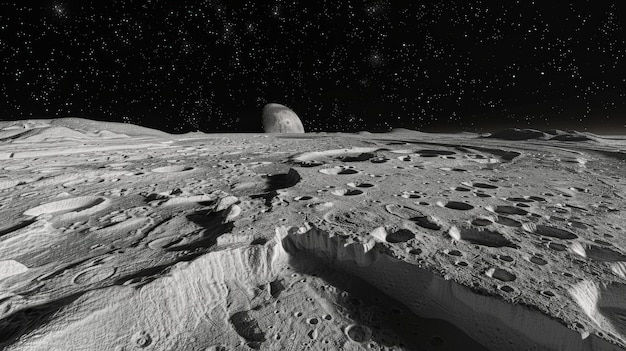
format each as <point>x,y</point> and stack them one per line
<point>549,231</point>
<point>172,169</point>
<point>361,185</point>
<point>433,153</point>
<point>402,211</point>
<point>457,205</point>
<point>480,236</point>
<point>338,171</point>
<point>519,199</point>
<point>510,210</point>
<point>538,260</point>
<point>76,204</point>
<point>509,222</point>
<point>481,222</point>
<point>501,274</point>
<point>347,192</point>
<point>93,275</point>
<point>400,236</point>
<point>358,220</point>
<point>358,333</point>
<point>603,254</point>
<point>248,328</point>
<point>556,246</point>
<point>365,156</point>
<point>484,186</point>
<point>427,223</point>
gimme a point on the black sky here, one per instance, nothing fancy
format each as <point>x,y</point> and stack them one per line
<point>341,65</point>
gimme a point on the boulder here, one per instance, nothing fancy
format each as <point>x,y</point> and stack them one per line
<point>281,119</point>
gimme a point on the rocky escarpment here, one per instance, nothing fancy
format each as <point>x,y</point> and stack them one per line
<point>492,322</point>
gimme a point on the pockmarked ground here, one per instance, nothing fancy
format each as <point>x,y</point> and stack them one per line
<point>117,237</point>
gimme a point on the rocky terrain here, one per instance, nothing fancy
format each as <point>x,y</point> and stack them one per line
<point>118,237</point>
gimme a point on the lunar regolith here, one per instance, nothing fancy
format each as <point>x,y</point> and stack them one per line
<point>117,237</point>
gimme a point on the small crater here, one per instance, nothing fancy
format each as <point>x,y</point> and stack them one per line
<point>603,254</point>
<point>510,210</point>
<point>303,198</point>
<point>141,339</point>
<point>480,236</point>
<point>509,222</point>
<point>365,156</point>
<point>361,185</point>
<point>259,241</point>
<point>338,171</point>
<point>427,223</point>
<point>276,287</point>
<point>556,246</point>
<point>76,204</point>
<point>462,189</point>
<point>164,243</point>
<point>506,258</point>
<point>416,251</point>
<point>347,192</point>
<point>547,293</point>
<point>461,263</point>
<point>481,222</point>
<point>379,159</point>
<point>501,274</point>
<point>312,321</point>
<point>400,236</point>
<point>404,212</point>
<point>456,205</point>
<point>358,220</point>
<point>358,333</point>
<point>549,231</point>
<point>456,253</point>
<point>247,327</point>
<point>602,242</point>
<point>93,275</point>
<point>431,153</point>
<point>172,169</point>
<point>484,186</point>
<point>507,288</point>
<point>519,199</point>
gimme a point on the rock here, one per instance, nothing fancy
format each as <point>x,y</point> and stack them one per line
<point>281,119</point>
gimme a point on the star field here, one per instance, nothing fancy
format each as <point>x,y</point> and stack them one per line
<point>341,65</point>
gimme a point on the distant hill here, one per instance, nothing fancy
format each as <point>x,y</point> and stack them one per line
<point>71,129</point>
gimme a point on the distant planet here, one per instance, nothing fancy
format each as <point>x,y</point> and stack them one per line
<point>278,118</point>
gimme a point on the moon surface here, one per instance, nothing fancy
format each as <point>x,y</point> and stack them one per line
<point>117,237</point>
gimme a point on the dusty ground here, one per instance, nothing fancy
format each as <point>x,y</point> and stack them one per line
<point>118,238</point>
